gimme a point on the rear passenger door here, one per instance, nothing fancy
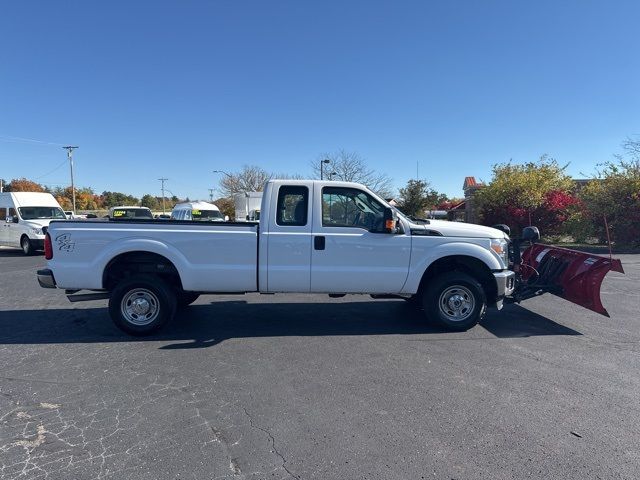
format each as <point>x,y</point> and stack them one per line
<point>289,239</point>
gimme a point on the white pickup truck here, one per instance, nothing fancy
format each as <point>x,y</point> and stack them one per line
<point>313,236</point>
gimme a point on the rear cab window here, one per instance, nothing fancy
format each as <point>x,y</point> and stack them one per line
<point>293,206</point>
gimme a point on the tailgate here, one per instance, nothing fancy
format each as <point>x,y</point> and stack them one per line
<point>570,274</point>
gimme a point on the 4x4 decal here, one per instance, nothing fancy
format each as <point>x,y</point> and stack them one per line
<point>64,242</point>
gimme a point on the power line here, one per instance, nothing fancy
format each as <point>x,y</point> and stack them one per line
<point>12,139</point>
<point>49,173</point>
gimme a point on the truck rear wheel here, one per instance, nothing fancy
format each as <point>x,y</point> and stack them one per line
<point>455,300</point>
<point>142,305</point>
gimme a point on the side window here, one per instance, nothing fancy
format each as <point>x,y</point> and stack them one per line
<point>292,206</point>
<point>12,212</point>
<point>349,207</point>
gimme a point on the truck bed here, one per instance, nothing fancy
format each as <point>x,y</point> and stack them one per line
<point>82,249</point>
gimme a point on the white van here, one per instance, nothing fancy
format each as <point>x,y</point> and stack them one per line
<point>26,219</point>
<point>203,211</point>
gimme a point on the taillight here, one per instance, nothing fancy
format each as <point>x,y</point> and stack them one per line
<point>48,251</point>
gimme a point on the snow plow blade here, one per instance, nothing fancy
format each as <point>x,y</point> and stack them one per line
<point>569,274</point>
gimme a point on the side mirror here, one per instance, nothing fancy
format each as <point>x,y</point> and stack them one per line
<point>247,218</point>
<point>9,219</point>
<point>226,218</point>
<point>503,228</point>
<point>389,220</point>
<point>530,234</point>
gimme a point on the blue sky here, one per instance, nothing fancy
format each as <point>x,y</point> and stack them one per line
<point>178,89</point>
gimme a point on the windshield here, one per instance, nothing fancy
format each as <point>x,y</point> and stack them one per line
<point>132,213</point>
<point>206,215</point>
<point>37,213</point>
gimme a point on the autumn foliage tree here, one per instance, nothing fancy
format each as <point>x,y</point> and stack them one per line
<point>24,185</point>
<point>535,193</point>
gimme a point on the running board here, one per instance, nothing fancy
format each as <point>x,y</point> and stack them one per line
<point>85,297</point>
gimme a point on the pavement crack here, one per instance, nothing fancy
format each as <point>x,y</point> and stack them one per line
<point>218,437</point>
<point>273,444</point>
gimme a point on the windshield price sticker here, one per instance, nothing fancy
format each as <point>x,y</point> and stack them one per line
<point>196,212</point>
<point>119,213</point>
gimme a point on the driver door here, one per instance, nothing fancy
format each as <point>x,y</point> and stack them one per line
<point>350,254</point>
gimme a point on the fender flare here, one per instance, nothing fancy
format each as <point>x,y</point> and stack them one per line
<point>449,249</point>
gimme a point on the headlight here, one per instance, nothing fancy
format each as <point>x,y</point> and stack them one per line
<point>37,231</point>
<point>501,247</point>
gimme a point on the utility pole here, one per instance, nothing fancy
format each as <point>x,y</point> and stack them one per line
<point>163,180</point>
<point>211,190</point>
<point>70,150</point>
<point>1,186</point>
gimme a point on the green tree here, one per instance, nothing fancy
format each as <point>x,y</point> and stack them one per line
<point>615,195</point>
<point>418,196</point>
<point>113,199</point>
<point>150,202</point>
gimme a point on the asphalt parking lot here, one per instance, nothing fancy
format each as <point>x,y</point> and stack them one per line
<point>309,387</point>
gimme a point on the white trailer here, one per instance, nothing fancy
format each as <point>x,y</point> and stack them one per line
<point>246,203</point>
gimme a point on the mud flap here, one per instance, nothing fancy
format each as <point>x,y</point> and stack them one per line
<point>572,275</point>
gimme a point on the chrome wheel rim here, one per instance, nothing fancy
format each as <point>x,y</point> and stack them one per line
<point>456,303</point>
<point>140,306</point>
<point>25,245</point>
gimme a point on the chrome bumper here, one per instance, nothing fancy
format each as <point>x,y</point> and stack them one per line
<point>45,278</point>
<point>505,283</point>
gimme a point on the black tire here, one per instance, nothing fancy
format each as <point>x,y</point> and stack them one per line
<point>186,298</point>
<point>27,246</point>
<point>156,304</point>
<point>455,300</point>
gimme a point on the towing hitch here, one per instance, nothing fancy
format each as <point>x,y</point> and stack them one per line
<point>569,274</point>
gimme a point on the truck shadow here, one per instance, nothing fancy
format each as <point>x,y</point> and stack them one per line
<point>201,326</point>
<point>14,252</point>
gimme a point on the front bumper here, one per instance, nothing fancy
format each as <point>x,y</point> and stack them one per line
<point>505,283</point>
<point>46,279</point>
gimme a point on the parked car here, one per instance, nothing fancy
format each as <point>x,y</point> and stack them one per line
<point>26,219</point>
<point>126,212</point>
<point>200,211</point>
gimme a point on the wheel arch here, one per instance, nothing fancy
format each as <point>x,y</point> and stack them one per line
<point>468,264</point>
<point>136,262</point>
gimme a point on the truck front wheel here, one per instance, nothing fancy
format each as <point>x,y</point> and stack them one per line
<point>455,300</point>
<point>142,305</point>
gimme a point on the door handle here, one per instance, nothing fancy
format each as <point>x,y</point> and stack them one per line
<point>318,242</point>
